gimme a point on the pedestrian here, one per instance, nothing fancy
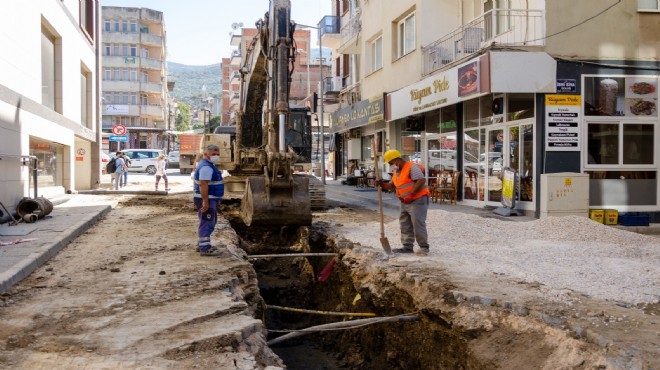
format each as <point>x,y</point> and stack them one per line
<point>410,184</point>
<point>161,171</point>
<point>208,193</point>
<point>127,162</point>
<point>116,176</point>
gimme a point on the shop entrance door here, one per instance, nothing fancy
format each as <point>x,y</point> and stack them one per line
<point>493,161</point>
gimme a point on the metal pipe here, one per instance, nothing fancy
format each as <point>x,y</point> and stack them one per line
<point>281,137</point>
<point>352,324</point>
<point>326,313</point>
<point>255,256</point>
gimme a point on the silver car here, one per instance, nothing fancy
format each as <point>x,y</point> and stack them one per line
<point>173,159</point>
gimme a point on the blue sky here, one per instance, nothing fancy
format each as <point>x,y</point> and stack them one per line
<point>198,30</point>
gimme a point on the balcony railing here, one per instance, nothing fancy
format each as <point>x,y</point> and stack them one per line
<point>350,26</point>
<point>503,27</point>
<point>329,24</point>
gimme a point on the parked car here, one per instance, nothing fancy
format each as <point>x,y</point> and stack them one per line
<point>173,159</point>
<point>143,160</point>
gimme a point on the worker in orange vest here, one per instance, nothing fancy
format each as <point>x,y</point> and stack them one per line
<point>410,184</point>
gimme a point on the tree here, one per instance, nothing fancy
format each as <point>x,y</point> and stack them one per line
<point>215,122</point>
<point>182,122</point>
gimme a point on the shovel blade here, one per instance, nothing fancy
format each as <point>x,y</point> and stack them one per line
<point>386,245</point>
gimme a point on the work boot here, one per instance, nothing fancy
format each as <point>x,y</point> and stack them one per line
<point>210,252</point>
<point>403,250</point>
<point>423,251</point>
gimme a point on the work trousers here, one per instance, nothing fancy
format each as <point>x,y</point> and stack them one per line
<point>412,220</point>
<point>207,221</point>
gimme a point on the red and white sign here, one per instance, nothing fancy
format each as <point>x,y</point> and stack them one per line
<point>119,129</point>
<point>81,151</point>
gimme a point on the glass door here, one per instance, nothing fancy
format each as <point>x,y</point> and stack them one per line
<point>492,161</point>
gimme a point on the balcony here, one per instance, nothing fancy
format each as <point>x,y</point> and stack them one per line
<point>132,62</point>
<point>350,95</point>
<point>151,39</point>
<point>236,58</point>
<point>330,29</point>
<point>235,78</point>
<point>501,27</point>
<point>351,24</point>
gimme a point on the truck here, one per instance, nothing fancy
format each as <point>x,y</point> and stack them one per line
<point>189,148</point>
<point>273,139</point>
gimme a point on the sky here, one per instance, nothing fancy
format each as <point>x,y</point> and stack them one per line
<point>198,30</point>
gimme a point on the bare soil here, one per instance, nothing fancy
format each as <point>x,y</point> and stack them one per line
<point>133,293</point>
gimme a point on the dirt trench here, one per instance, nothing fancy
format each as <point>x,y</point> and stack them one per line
<point>132,293</point>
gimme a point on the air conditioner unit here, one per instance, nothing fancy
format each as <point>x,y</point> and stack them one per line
<point>337,84</point>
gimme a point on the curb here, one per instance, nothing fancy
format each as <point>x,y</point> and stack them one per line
<point>24,268</point>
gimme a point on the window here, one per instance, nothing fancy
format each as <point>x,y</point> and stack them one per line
<point>107,50</point>
<point>133,74</point>
<point>107,98</point>
<point>116,26</point>
<point>124,98</point>
<point>107,74</point>
<point>124,50</point>
<point>653,5</point>
<point>115,49</point>
<point>87,18</point>
<point>377,54</point>
<point>619,143</point>
<point>117,74</point>
<point>406,35</point>
<point>50,87</point>
<point>124,74</point>
<point>133,26</point>
<point>107,27</point>
<point>124,26</point>
<point>85,97</point>
<point>133,50</point>
<point>134,98</point>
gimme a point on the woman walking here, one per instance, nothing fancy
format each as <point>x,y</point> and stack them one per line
<point>161,167</point>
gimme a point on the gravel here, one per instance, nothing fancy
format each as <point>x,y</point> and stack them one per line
<point>562,255</point>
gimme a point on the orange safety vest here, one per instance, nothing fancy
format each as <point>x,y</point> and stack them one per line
<point>404,184</point>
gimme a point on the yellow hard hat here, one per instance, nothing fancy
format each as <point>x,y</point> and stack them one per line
<point>391,155</point>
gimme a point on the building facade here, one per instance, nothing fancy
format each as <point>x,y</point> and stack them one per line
<point>506,84</point>
<point>48,98</point>
<point>134,78</point>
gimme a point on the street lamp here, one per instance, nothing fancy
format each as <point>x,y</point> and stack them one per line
<point>318,31</point>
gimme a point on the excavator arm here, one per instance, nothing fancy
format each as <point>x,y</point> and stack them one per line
<point>272,194</point>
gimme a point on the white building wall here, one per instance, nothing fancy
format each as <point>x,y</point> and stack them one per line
<point>21,114</point>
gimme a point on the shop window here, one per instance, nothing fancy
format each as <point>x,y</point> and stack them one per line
<point>365,148</point>
<point>448,119</point>
<point>432,122</point>
<point>620,144</point>
<point>471,113</point>
<point>486,115</point>
<point>519,106</point>
<point>602,143</point>
<point>638,144</point>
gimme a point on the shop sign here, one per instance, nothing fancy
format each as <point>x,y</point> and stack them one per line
<point>80,159</point>
<point>116,109</point>
<point>431,93</point>
<point>129,60</point>
<point>566,85</point>
<point>359,114</point>
<point>562,122</point>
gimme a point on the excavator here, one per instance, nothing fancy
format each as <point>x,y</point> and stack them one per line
<point>263,162</point>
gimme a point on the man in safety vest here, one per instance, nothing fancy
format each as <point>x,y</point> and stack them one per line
<point>410,184</point>
<point>208,191</point>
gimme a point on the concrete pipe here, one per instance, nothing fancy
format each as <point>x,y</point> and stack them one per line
<point>41,207</point>
<point>30,218</point>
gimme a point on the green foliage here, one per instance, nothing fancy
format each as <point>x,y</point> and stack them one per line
<point>182,122</point>
<point>198,126</point>
<point>188,80</point>
<point>215,122</point>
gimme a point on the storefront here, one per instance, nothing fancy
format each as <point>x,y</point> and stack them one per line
<point>478,118</point>
<point>618,133</point>
<point>354,128</point>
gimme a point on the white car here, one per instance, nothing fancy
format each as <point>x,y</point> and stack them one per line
<point>105,159</point>
<point>143,160</point>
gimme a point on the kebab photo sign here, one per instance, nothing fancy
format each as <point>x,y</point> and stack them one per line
<point>562,122</point>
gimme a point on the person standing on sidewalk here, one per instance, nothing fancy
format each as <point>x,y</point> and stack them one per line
<point>123,181</point>
<point>161,171</point>
<point>119,171</point>
<point>410,184</point>
<point>209,190</point>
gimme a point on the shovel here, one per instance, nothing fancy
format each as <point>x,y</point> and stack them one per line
<point>383,240</point>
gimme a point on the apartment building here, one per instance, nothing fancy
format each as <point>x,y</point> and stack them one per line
<point>477,86</point>
<point>48,97</point>
<point>134,78</point>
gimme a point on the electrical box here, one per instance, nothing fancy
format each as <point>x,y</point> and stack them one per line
<point>564,193</point>
<point>354,149</point>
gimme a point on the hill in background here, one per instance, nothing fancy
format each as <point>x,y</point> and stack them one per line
<point>190,79</point>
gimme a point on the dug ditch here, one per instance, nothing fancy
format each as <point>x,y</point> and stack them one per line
<point>448,331</point>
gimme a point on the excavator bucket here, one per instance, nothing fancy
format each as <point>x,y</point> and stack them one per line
<point>278,206</point>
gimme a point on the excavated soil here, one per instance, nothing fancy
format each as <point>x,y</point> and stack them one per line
<point>132,293</point>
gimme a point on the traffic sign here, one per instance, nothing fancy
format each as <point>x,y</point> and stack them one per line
<point>119,129</point>
<point>120,138</point>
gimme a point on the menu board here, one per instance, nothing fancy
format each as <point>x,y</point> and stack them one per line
<point>562,122</point>
<point>621,96</point>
